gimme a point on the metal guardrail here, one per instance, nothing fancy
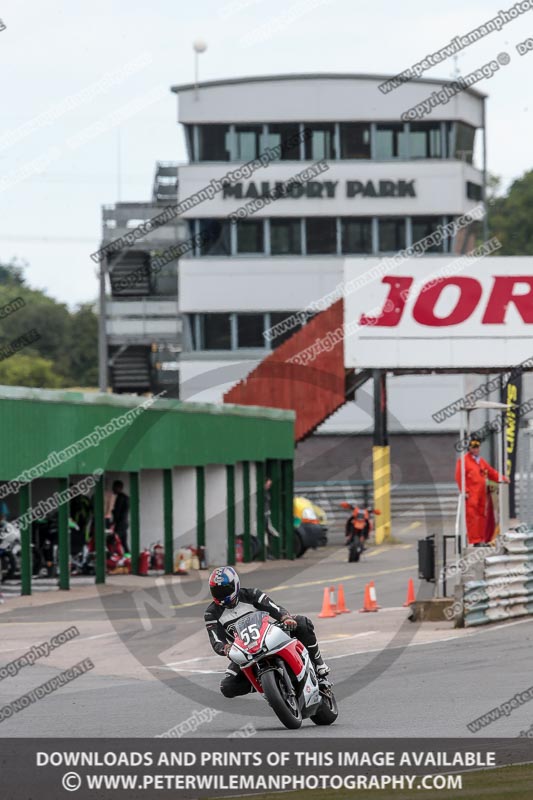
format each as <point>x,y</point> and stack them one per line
<point>408,500</point>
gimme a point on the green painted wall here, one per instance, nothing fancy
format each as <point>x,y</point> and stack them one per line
<point>34,423</point>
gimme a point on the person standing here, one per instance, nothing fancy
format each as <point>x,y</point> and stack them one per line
<point>477,470</point>
<point>121,512</point>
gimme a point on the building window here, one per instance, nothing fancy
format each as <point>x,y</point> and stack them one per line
<point>215,235</point>
<point>425,226</point>
<point>213,142</point>
<point>321,235</point>
<point>285,135</point>
<point>250,329</point>
<point>425,140</point>
<point>250,236</point>
<point>284,319</point>
<point>391,142</point>
<point>285,237</point>
<point>217,331</point>
<point>391,235</point>
<point>319,141</point>
<point>464,142</point>
<point>474,191</point>
<point>356,235</point>
<point>247,142</point>
<point>355,139</point>
<point>164,281</point>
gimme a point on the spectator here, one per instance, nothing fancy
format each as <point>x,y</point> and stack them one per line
<point>121,511</point>
<point>109,502</point>
<point>270,532</point>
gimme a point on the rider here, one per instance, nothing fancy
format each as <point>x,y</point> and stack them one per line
<point>230,602</point>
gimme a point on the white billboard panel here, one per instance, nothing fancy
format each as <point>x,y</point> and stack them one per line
<point>438,312</point>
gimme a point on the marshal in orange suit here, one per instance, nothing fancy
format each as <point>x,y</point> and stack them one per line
<point>477,470</point>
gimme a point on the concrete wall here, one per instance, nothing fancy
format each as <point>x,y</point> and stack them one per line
<point>216,514</point>
<point>184,506</point>
<point>151,507</point>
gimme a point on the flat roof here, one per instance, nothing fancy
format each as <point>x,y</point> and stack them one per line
<point>313,76</point>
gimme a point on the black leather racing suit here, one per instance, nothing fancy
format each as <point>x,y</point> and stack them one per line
<point>220,624</point>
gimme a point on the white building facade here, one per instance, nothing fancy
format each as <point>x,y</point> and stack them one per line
<point>383,185</point>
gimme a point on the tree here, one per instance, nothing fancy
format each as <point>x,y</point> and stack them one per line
<point>12,273</point>
<point>27,370</point>
<point>84,346</point>
<point>510,218</point>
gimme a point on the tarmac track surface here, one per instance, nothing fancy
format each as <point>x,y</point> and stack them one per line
<point>392,677</point>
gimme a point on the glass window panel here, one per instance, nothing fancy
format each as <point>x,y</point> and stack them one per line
<point>282,134</point>
<point>425,140</point>
<point>425,226</point>
<point>321,235</point>
<point>355,139</point>
<point>217,237</point>
<point>277,317</point>
<point>250,236</point>
<point>464,142</point>
<point>217,331</point>
<point>250,329</point>
<point>285,237</point>
<point>356,235</point>
<point>391,235</point>
<point>213,140</point>
<point>391,141</point>
<point>319,141</point>
<point>247,142</point>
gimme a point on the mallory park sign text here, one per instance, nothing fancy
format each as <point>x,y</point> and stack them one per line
<point>320,189</point>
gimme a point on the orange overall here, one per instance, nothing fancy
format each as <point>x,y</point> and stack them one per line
<point>476,474</point>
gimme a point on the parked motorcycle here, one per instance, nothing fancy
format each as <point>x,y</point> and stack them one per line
<point>279,667</point>
<point>11,552</point>
<point>358,528</point>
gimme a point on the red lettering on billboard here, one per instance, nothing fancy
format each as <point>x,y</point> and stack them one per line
<point>502,294</point>
<point>469,296</point>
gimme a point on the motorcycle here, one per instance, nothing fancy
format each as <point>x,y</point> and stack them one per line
<point>280,668</point>
<point>358,529</point>
<point>11,552</point>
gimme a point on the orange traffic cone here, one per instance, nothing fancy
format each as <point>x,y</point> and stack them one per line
<point>341,605</point>
<point>410,593</point>
<point>370,603</point>
<point>332,601</point>
<point>327,611</point>
<point>373,597</point>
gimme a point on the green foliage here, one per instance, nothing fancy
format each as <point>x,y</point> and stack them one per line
<point>66,353</point>
<point>510,218</point>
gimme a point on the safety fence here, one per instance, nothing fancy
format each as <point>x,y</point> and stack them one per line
<point>506,589</point>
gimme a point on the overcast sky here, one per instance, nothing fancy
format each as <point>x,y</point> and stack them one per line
<point>85,81</point>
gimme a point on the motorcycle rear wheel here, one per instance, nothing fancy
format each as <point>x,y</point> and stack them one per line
<point>275,692</point>
<point>327,712</point>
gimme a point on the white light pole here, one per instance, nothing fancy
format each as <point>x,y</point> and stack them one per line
<point>199,46</point>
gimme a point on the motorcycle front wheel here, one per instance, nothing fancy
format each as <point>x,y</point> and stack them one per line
<point>285,707</point>
<point>328,711</point>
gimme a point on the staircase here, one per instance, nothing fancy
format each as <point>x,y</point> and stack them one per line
<point>314,388</point>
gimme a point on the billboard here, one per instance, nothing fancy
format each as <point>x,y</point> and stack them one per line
<point>440,312</point>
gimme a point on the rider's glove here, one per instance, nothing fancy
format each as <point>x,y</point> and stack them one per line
<point>289,622</point>
<point>227,648</point>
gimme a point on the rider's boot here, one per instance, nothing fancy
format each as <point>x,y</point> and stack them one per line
<point>321,668</point>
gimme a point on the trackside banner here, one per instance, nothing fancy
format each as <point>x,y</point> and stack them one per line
<point>438,312</point>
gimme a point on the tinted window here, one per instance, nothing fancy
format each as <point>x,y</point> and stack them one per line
<point>321,235</point>
<point>355,140</point>
<point>356,235</point>
<point>217,331</point>
<point>247,142</point>
<point>464,142</point>
<point>425,226</point>
<point>285,237</point>
<point>288,137</point>
<point>213,142</point>
<point>250,328</point>
<point>217,237</point>
<point>250,236</point>
<point>391,235</point>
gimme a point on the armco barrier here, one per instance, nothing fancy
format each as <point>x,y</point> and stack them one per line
<point>506,590</point>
